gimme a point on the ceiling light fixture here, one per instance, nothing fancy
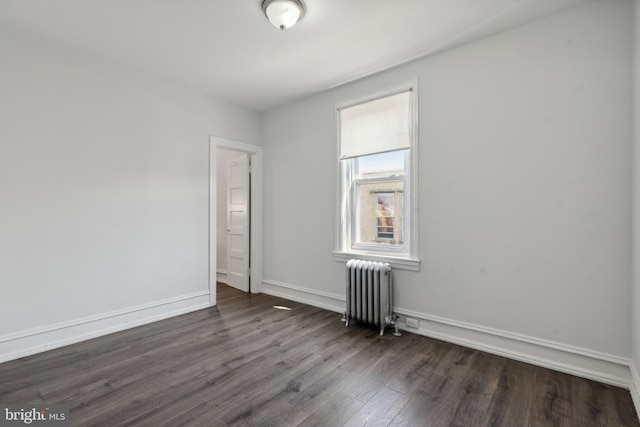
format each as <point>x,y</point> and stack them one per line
<point>283,14</point>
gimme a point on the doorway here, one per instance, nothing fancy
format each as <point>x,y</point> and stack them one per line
<point>235,216</point>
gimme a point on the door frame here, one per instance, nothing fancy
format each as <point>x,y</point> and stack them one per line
<point>255,154</point>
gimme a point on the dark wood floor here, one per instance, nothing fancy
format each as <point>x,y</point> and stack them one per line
<point>245,362</point>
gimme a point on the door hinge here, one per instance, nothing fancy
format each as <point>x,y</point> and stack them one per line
<point>249,271</point>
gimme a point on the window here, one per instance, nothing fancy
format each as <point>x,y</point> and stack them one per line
<point>378,178</point>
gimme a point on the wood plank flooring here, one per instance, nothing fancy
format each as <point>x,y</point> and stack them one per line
<point>246,363</point>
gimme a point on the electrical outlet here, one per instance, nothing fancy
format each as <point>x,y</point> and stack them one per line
<point>412,323</point>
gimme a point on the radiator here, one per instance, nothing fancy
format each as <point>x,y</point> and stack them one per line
<point>369,293</point>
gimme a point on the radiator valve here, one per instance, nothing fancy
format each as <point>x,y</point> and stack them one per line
<point>394,323</point>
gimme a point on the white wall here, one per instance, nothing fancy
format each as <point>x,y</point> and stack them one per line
<point>635,301</point>
<point>525,193</point>
<point>104,188</point>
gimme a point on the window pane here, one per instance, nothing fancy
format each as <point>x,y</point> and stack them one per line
<point>383,164</point>
<point>384,210</point>
<point>380,213</point>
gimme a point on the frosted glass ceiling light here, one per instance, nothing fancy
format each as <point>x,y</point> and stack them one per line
<point>283,14</point>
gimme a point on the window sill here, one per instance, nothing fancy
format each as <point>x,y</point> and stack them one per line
<point>409,264</point>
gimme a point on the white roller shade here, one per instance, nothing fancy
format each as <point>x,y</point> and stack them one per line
<point>377,126</point>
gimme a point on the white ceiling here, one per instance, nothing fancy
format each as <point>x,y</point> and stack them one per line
<point>229,49</point>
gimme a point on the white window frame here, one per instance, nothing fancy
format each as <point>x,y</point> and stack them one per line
<point>405,258</point>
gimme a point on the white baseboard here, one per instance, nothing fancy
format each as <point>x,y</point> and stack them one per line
<point>221,276</point>
<point>326,300</point>
<point>635,387</point>
<point>585,363</point>
<point>37,340</point>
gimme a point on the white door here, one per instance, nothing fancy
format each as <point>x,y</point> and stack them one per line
<point>238,222</point>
